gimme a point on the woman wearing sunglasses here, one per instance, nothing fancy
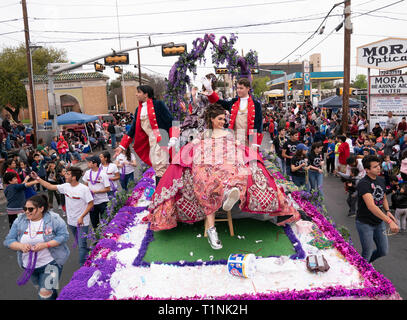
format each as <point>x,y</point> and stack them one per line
<point>40,239</point>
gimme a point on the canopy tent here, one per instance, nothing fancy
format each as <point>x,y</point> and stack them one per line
<point>337,101</point>
<point>74,118</point>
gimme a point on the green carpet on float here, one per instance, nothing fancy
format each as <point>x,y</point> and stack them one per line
<point>262,238</point>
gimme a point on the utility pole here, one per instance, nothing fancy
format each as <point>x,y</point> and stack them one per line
<point>346,68</point>
<point>120,46</point>
<point>138,64</point>
<point>29,69</point>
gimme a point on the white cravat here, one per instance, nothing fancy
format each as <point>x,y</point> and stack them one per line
<point>243,105</point>
<point>143,112</point>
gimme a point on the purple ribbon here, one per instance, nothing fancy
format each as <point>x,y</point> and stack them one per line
<point>122,174</point>
<point>29,270</point>
<point>97,176</point>
<point>113,186</point>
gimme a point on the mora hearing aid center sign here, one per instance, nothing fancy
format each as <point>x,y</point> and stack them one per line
<point>388,90</point>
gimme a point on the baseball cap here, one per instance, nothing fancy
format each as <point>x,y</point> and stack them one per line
<point>93,159</point>
<point>302,146</point>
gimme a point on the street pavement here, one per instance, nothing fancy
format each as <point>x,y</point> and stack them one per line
<point>392,266</point>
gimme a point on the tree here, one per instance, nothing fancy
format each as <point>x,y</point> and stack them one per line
<point>360,82</point>
<point>157,83</point>
<point>259,85</point>
<point>13,69</point>
<point>327,85</point>
<point>114,88</point>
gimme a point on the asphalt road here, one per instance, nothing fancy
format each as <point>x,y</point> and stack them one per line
<point>393,266</point>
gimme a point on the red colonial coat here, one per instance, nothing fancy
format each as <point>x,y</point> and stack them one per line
<point>141,142</point>
<point>253,137</point>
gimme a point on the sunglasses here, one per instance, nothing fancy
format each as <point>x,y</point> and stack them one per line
<point>29,209</point>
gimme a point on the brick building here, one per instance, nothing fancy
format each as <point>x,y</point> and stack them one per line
<point>78,92</point>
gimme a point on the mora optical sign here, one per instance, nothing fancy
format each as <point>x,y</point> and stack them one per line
<point>386,54</point>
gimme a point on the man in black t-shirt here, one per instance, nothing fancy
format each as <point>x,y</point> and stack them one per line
<point>278,143</point>
<point>289,149</point>
<point>111,129</point>
<point>373,211</point>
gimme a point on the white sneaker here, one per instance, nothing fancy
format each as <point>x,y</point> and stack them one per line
<point>213,239</point>
<point>231,198</point>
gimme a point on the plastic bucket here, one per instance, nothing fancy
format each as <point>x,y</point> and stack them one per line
<point>242,265</point>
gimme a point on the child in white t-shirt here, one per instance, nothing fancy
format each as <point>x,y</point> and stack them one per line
<point>126,162</point>
<point>99,185</point>
<point>78,202</point>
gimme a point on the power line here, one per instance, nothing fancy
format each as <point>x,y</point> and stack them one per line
<point>67,40</point>
<point>148,34</point>
<point>2,34</point>
<point>385,17</point>
<point>195,30</point>
<point>377,9</point>
<point>312,35</point>
<point>9,5</point>
<point>170,12</point>
<point>101,5</point>
<point>15,19</point>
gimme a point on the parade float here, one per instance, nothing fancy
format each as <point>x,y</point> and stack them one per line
<point>310,259</point>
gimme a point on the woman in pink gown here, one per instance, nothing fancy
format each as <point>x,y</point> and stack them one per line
<point>214,172</point>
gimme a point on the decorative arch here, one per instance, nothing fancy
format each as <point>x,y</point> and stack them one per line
<point>222,52</point>
<point>69,103</point>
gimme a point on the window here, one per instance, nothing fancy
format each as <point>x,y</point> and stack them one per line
<point>67,109</point>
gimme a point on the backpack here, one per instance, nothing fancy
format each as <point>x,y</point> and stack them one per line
<point>111,129</point>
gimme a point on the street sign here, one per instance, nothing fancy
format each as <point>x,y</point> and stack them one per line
<point>381,105</point>
<point>306,77</point>
<point>394,84</point>
<point>386,54</point>
<point>275,72</point>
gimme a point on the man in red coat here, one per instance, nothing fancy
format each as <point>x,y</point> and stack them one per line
<point>246,116</point>
<point>150,130</point>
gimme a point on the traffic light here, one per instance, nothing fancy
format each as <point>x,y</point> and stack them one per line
<point>117,59</point>
<point>173,50</point>
<point>221,70</point>
<point>99,67</point>
<point>118,70</point>
<point>290,85</point>
<point>46,115</point>
<point>254,70</point>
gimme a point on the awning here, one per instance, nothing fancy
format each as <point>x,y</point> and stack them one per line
<point>72,118</point>
<point>337,102</point>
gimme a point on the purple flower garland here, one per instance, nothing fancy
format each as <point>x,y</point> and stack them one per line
<point>221,52</point>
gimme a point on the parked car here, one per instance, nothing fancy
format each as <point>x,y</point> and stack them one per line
<point>73,127</point>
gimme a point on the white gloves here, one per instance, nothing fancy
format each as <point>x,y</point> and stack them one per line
<point>173,142</point>
<point>207,84</point>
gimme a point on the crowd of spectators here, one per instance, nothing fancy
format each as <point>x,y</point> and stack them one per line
<point>309,144</point>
